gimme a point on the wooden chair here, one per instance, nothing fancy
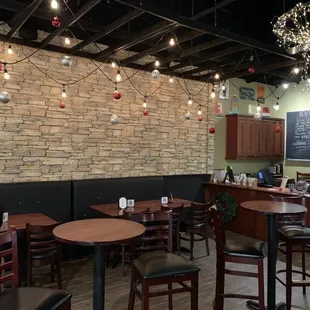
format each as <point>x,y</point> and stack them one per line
<point>176,217</point>
<point>26,297</point>
<point>43,250</point>
<point>160,266</point>
<point>303,177</point>
<point>197,225</point>
<point>245,252</point>
<point>293,238</point>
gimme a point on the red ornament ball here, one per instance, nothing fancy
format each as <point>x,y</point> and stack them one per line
<point>56,22</point>
<point>62,105</point>
<point>212,130</point>
<point>117,95</point>
<point>200,118</point>
<point>145,112</point>
<point>251,70</point>
<point>278,129</point>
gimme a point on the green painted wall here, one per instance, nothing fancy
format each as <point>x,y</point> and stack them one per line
<point>220,126</point>
<point>296,98</point>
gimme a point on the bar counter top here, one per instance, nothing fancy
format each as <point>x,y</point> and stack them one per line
<point>249,223</point>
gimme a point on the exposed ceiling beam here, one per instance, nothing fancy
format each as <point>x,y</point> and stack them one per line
<point>150,8</point>
<point>191,35</point>
<point>146,34</point>
<point>108,29</point>
<point>22,17</point>
<point>63,50</point>
<point>15,6</point>
<point>273,66</point>
<point>160,47</point>
<point>212,56</point>
<point>194,50</point>
<point>70,21</point>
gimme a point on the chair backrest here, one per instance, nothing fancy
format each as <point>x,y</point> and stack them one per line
<point>217,219</point>
<point>41,242</point>
<point>303,177</point>
<point>158,230</point>
<point>199,215</point>
<point>1,215</point>
<point>290,219</point>
<point>176,215</point>
<point>9,257</point>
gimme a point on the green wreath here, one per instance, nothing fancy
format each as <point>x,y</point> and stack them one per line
<point>229,205</point>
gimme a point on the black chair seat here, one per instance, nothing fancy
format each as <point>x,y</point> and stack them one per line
<point>33,298</point>
<point>244,248</point>
<point>294,232</point>
<point>162,264</point>
<point>187,225</point>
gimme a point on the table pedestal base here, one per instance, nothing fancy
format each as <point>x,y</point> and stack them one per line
<point>253,305</point>
<point>99,275</point>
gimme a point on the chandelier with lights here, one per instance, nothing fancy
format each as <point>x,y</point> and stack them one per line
<point>293,32</point>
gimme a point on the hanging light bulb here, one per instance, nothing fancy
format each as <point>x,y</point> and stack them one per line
<point>63,95</point>
<point>172,42</point>
<point>144,102</point>
<point>285,85</point>
<point>118,76</point>
<point>113,64</point>
<point>296,70</point>
<point>157,63</point>
<point>54,4</point>
<point>258,108</point>
<point>199,114</point>
<point>6,73</point>
<point>67,41</point>
<point>213,93</point>
<point>10,51</point>
<point>276,106</point>
<point>190,101</point>
<point>216,76</point>
<point>171,80</point>
<point>224,87</point>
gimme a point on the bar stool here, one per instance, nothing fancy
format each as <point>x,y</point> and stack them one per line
<point>295,238</point>
<point>244,252</point>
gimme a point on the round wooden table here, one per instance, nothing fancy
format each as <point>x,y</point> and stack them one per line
<point>272,209</point>
<point>97,233</point>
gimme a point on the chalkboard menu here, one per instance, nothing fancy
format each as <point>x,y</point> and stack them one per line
<point>298,135</point>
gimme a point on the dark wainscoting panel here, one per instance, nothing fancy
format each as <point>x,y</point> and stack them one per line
<point>50,198</point>
<point>103,191</point>
<point>188,187</point>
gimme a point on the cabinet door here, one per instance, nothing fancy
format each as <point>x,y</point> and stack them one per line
<point>258,139</point>
<point>250,141</point>
<point>279,140</point>
<point>242,137</point>
<point>266,146</point>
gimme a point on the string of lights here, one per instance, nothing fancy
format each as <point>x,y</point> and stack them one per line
<point>115,63</point>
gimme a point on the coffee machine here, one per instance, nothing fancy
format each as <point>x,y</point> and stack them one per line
<point>276,170</point>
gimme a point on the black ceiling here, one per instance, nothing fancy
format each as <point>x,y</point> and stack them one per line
<point>221,39</point>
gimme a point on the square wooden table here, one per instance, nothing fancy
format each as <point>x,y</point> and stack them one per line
<point>113,210</point>
<point>20,221</point>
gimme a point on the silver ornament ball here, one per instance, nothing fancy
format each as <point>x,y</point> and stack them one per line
<point>66,61</point>
<point>188,115</point>
<point>114,119</point>
<point>4,97</point>
<point>155,74</point>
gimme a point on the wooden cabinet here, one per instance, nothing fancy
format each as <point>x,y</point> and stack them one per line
<point>247,138</point>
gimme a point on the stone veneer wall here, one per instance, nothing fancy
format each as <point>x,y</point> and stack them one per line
<point>41,142</point>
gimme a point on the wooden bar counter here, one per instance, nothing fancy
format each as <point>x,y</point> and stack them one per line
<point>249,223</point>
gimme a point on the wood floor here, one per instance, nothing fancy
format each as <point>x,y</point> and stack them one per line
<point>78,280</point>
